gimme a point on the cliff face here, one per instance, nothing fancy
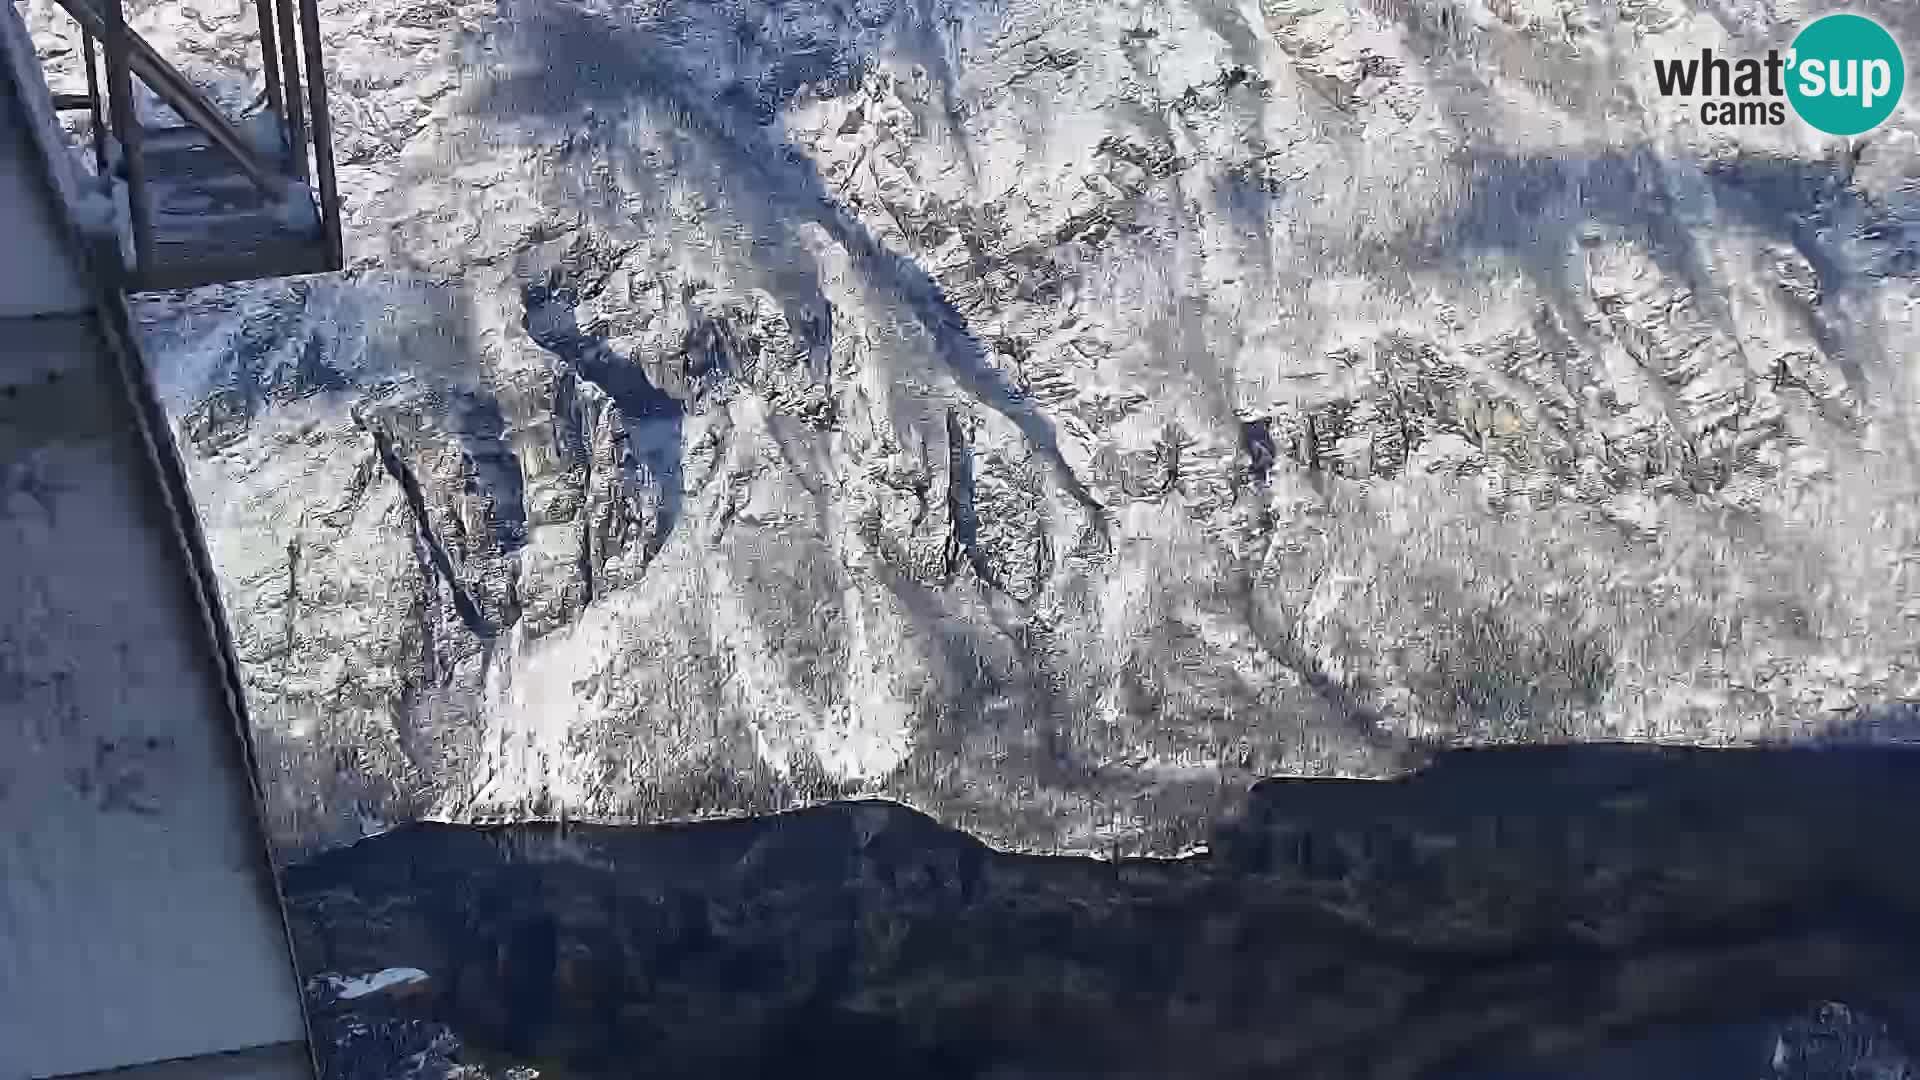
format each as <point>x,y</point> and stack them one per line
<point>1053,416</point>
<point>1531,914</point>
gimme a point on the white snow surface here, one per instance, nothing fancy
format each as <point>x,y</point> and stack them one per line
<point>1053,415</point>
<point>348,988</point>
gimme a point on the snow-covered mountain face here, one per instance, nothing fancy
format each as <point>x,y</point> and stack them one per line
<point>1052,415</point>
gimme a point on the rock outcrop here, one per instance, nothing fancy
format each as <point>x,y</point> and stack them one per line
<point>1051,416</point>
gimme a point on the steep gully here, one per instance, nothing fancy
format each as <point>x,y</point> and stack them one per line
<point>1516,908</point>
<point>551,322</point>
<point>464,604</point>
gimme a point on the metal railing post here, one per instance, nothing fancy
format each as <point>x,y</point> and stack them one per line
<point>290,82</point>
<point>126,129</point>
<point>270,58</point>
<point>322,130</point>
<point>100,167</point>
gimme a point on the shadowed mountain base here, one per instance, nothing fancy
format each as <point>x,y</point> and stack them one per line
<point>1504,907</point>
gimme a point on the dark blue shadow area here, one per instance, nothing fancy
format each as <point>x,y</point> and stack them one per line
<point>1534,208</point>
<point>1544,913</point>
<point>650,421</point>
<point>481,427</point>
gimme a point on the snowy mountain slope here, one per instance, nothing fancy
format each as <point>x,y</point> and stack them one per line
<point>1051,415</point>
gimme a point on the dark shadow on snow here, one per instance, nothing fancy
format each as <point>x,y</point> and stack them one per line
<point>570,60</point>
<point>650,420</point>
<point>1534,210</point>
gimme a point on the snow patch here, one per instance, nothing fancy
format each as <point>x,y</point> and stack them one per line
<point>362,985</point>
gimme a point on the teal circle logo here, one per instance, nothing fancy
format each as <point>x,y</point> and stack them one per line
<point>1846,74</point>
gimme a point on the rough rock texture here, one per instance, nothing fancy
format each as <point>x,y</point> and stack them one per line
<point>1521,913</point>
<point>1051,415</point>
<point>1827,1040</point>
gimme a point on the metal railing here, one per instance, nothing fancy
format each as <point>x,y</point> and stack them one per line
<point>290,49</point>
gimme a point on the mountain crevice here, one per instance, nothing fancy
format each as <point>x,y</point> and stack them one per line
<point>963,541</point>
<point>470,613</point>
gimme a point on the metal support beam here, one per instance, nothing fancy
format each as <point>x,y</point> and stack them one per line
<point>100,169</point>
<point>296,103</point>
<point>322,130</point>
<point>270,60</point>
<point>127,130</point>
